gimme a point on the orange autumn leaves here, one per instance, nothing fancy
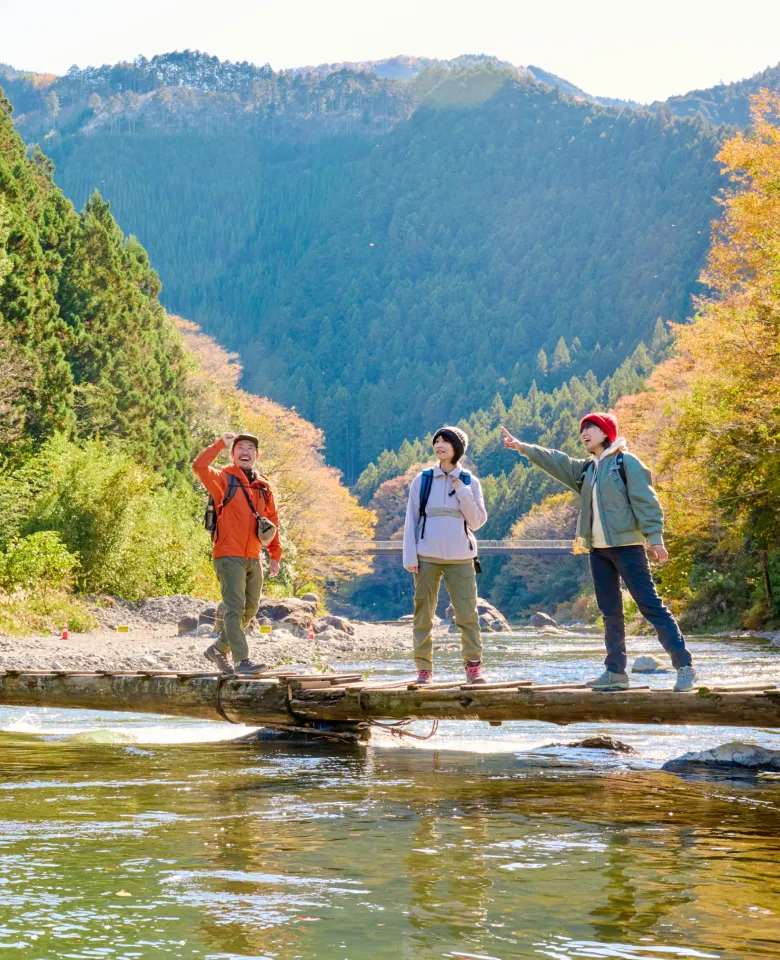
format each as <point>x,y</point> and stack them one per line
<point>319,514</point>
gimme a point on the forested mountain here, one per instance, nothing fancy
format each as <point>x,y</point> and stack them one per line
<point>385,254</point>
<point>503,233</point>
<point>727,102</point>
<point>102,406</point>
<point>572,90</point>
<point>189,88</point>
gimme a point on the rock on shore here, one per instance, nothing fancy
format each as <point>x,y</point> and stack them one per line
<point>490,618</point>
<point>540,619</point>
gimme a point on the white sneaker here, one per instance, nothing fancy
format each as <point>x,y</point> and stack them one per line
<point>609,681</point>
<point>686,678</point>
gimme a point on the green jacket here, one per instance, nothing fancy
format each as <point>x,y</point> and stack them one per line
<point>627,515</point>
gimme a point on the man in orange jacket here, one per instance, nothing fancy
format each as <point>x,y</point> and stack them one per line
<point>237,547</point>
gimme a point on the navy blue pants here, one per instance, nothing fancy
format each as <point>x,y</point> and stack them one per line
<point>607,566</point>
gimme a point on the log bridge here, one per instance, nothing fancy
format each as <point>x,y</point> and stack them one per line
<point>343,706</point>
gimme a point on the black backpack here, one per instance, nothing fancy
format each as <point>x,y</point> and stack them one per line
<point>425,492</point>
<point>211,516</point>
<point>620,462</point>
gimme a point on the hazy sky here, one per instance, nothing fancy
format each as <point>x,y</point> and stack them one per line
<point>619,48</point>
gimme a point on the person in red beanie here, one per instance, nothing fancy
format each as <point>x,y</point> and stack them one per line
<point>620,519</point>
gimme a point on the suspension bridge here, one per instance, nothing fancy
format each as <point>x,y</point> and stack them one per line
<point>484,547</point>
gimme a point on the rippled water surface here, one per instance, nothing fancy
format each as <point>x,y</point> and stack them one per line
<point>167,840</point>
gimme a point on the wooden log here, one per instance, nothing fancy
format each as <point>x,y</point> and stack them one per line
<point>255,702</point>
<point>243,700</point>
<point>571,705</point>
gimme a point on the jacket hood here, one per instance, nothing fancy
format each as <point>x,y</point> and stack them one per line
<point>619,444</point>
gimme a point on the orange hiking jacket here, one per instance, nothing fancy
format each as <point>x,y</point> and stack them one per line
<point>236,526</point>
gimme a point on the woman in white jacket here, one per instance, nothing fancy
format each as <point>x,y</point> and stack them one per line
<point>438,542</point>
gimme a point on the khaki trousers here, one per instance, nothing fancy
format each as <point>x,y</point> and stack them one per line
<point>460,580</point>
<point>241,581</point>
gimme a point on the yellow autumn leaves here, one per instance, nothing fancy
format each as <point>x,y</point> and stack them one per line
<point>709,419</point>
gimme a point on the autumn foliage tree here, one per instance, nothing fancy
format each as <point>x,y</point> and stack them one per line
<point>710,419</point>
<point>319,516</point>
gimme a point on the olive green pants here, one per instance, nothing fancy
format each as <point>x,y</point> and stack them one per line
<point>241,581</point>
<point>460,579</point>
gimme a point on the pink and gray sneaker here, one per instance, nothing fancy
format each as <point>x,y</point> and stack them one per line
<point>424,677</point>
<point>474,671</point>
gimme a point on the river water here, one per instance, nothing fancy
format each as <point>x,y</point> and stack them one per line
<point>130,836</point>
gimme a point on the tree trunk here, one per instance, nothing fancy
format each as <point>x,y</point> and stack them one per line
<point>763,556</point>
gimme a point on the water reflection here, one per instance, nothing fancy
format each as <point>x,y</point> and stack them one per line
<point>212,850</point>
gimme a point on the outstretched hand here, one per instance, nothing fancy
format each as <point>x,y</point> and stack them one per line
<point>512,443</point>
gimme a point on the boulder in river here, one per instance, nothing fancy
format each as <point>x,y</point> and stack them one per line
<point>650,664</point>
<point>540,619</point>
<point>598,743</point>
<point>603,743</point>
<point>736,753</point>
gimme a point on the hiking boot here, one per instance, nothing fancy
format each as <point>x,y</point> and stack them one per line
<point>609,681</point>
<point>474,671</point>
<point>248,667</point>
<point>686,678</point>
<point>424,677</point>
<point>218,658</point>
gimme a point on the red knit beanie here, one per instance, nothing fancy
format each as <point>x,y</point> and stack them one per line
<point>607,422</point>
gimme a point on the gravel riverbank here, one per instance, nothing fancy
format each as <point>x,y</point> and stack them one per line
<point>150,645</point>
